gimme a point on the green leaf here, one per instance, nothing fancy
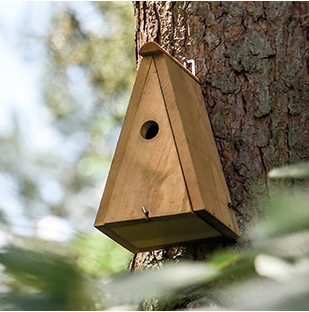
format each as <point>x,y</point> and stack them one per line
<point>286,214</point>
<point>296,171</point>
<point>161,282</point>
<point>42,276</point>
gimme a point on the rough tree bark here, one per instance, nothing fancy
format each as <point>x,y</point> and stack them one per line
<point>252,61</point>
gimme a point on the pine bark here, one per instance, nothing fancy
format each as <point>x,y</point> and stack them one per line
<point>252,62</point>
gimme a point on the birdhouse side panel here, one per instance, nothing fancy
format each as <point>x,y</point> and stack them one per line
<point>194,139</point>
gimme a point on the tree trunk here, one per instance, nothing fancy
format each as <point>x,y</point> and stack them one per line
<point>252,62</point>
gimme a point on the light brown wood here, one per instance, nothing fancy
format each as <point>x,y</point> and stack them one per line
<point>166,185</point>
<point>149,174</point>
<point>123,138</point>
<point>196,139</point>
<point>160,232</point>
<point>195,144</point>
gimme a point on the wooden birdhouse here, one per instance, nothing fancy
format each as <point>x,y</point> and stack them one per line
<point>166,185</point>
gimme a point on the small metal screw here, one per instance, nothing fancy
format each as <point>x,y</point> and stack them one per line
<point>146,213</point>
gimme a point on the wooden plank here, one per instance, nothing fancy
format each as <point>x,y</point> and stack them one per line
<point>148,173</point>
<point>195,143</point>
<point>160,232</point>
<point>136,94</point>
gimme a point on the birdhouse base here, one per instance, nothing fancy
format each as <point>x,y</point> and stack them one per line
<point>145,235</point>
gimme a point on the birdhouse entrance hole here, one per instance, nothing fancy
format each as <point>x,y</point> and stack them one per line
<point>149,130</point>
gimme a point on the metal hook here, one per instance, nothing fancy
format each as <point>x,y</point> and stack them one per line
<point>193,65</point>
<point>146,213</point>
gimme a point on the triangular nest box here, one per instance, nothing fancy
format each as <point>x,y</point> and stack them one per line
<point>166,185</point>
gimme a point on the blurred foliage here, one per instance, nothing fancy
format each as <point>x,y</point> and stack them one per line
<point>296,171</point>
<point>99,256</point>
<point>87,85</point>
<point>43,281</point>
<point>87,68</point>
<point>270,273</point>
<point>41,275</point>
<point>86,79</point>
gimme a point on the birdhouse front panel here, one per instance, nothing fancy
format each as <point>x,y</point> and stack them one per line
<point>150,174</point>
<point>166,184</point>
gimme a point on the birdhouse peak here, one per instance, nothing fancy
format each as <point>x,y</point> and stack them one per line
<point>152,48</point>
